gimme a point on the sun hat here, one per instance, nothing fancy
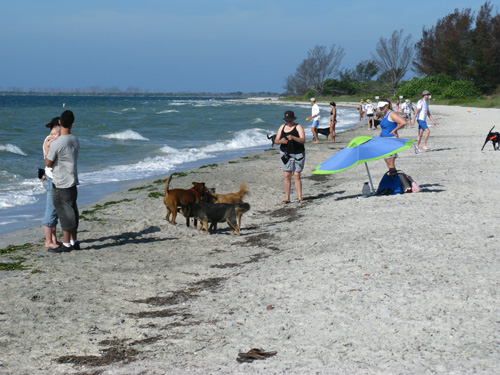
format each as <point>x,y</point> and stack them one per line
<point>368,101</point>
<point>382,103</point>
<point>407,101</point>
<point>289,115</point>
<point>53,122</point>
<point>312,99</point>
<point>426,92</point>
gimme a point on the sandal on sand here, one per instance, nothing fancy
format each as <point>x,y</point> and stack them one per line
<point>302,201</point>
<point>285,202</point>
<point>254,354</point>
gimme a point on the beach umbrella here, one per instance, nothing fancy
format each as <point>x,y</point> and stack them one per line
<point>362,149</point>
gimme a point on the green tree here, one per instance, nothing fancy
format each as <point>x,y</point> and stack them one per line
<point>463,46</point>
<point>446,47</point>
<point>485,40</point>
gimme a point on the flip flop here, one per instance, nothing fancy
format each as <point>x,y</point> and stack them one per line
<point>285,202</point>
<point>254,354</point>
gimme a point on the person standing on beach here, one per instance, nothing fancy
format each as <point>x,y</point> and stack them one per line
<point>50,218</point>
<point>291,138</point>
<point>361,110</point>
<point>62,157</point>
<point>370,114</point>
<point>315,117</point>
<point>390,124</point>
<point>333,121</point>
<point>407,108</point>
<point>421,116</point>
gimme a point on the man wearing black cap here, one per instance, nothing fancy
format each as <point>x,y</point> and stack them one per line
<point>62,157</point>
<point>421,116</point>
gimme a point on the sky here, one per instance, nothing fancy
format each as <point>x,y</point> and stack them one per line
<point>193,45</point>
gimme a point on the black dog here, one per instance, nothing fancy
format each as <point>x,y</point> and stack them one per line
<point>216,213</point>
<point>272,138</point>
<point>494,137</point>
<point>322,131</point>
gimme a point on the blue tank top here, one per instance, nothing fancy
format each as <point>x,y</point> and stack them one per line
<point>387,126</point>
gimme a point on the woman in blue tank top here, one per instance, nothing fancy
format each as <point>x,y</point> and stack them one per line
<point>390,124</point>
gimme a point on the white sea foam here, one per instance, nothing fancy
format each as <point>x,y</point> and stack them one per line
<point>125,136</point>
<point>242,140</point>
<point>167,111</point>
<point>257,121</point>
<point>128,109</point>
<point>20,194</point>
<point>12,148</point>
<point>172,158</point>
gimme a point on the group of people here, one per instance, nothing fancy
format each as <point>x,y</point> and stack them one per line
<point>60,152</point>
<point>315,117</point>
<point>291,136</point>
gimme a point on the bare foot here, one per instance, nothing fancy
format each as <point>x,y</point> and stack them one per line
<point>316,142</point>
<point>425,148</point>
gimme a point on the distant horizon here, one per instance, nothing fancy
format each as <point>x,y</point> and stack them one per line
<point>134,93</point>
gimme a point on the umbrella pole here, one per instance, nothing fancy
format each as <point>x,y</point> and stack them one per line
<point>370,178</point>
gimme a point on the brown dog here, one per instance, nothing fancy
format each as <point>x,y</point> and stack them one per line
<point>230,198</point>
<point>177,197</point>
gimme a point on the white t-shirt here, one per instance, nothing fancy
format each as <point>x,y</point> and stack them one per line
<point>369,109</point>
<point>423,105</point>
<point>315,111</point>
<point>406,107</point>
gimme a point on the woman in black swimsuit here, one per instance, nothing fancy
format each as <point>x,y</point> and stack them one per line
<point>291,138</point>
<point>333,121</point>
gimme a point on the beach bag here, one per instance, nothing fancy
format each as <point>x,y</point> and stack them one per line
<point>389,185</point>
<point>398,183</point>
<point>405,182</point>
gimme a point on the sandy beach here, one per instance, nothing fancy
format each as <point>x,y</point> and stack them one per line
<point>401,284</point>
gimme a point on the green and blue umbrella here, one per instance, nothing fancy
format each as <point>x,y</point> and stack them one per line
<point>363,149</point>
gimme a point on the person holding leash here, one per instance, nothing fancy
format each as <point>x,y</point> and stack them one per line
<point>291,138</point>
<point>315,117</point>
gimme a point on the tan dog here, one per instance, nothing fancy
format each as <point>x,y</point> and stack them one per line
<point>178,197</point>
<point>230,198</point>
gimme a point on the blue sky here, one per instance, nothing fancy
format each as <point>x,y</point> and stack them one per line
<point>193,45</point>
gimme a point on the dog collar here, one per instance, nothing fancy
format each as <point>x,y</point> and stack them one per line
<point>194,191</point>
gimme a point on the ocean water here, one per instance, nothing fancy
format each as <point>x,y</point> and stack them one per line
<point>130,138</point>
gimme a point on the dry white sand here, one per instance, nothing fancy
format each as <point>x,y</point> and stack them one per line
<point>405,284</point>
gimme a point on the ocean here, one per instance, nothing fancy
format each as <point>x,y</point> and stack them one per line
<point>123,139</point>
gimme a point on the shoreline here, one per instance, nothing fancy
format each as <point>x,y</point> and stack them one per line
<point>339,285</point>
<point>88,195</point>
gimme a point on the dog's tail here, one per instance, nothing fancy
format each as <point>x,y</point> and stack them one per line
<point>242,208</point>
<point>243,191</point>
<point>167,183</point>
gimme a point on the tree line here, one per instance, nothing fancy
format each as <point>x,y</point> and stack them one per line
<point>462,47</point>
